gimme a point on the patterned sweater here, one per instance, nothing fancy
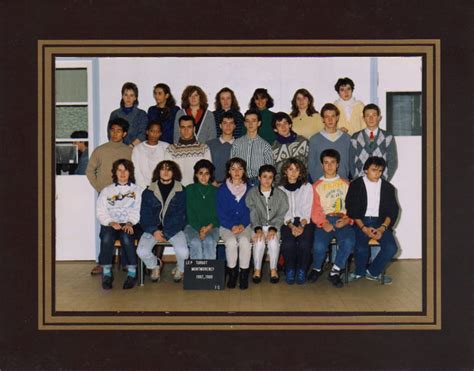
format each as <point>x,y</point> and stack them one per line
<point>119,203</point>
<point>329,198</point>
<point>186,156</point>
<point>299,149</point>
<point>383,145</point>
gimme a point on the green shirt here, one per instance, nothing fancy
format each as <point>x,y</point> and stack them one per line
<point>265,130</point>
<point>201,205</point>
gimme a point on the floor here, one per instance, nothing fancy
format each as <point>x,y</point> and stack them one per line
<point>77,290</point>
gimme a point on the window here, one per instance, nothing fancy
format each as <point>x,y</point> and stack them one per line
<point>72,111</point>
<point>404,113</point>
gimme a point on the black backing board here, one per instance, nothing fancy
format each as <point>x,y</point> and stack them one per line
<point>24,23</point>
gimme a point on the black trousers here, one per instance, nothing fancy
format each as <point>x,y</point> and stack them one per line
<point>297,250</point>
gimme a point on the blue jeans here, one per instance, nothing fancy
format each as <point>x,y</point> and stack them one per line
<point>345,243</point>
<point>388,248</point>
<point>108,236</point>
<point>205,249</point>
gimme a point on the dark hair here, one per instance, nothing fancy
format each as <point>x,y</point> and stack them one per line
<point>303,176</point>
<point>329,107</point>
<point>262,93</point>
<point>330,153</point>
<point>120,122</point>
<point>238,161</point>
<point>80,134</point>
<point>151,123</point>
<point>128,165</point>
<point>234,105</point>
<point>227,115</point>
<point>129,86</point>
<point>187,118</point>
<point>280,116</point>
<point>374,160</point>
<point>204,164</point>
<point>371,106</point>
<point>344,81</point>
<point>267,168</point>
<point>187,93</point>
<point>170,102</point>
<point>294,108</point>
<point>253,112</point>
<point>173,166</point>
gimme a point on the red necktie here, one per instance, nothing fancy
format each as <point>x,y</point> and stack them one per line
<point>371,135</point>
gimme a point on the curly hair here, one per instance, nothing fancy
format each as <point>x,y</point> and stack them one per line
<point>173,166</point>
<point>128,165</point>
<point>234,105</point>
<point>190,89</point>
<point>303,176</point>
<point>294,108</point>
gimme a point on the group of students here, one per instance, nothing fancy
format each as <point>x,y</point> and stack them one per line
<point>252,180</point>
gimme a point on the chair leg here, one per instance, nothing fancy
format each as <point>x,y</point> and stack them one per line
<point>141,270</point>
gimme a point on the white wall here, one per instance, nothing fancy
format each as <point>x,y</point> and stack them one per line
<point>75,218</point>
<point>281,76</point>
<point>404,75</point>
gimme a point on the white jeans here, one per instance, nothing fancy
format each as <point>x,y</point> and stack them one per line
<point>273,250</point>
<point>147,241</point>
<point>237,246</point>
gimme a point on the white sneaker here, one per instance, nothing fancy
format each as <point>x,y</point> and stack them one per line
<point>156,272</point>
<point>383,279</point>
<point>177,276</point>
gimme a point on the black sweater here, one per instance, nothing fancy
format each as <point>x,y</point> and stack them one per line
<point>356,201</point>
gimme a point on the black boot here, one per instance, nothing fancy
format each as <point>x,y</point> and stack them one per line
<point>232,280</point>
<point>244,279</point>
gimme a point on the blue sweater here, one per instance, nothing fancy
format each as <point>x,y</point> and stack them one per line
<point>229,211</point>
<point>172,216</point>
<point>167,121</point>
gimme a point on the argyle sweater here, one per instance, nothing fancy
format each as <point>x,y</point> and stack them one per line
<point>383,145</point>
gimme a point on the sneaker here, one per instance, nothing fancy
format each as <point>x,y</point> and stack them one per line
<point>335,279</point>
<point>354,277</point>
<point>178,276</point>
<point>129,282</point>
<point>384,280</point>
<point>314,275</point>
<point>155,274</point>
<point>173,271</point>
<point>290,276</point>
<point>300,277</point>
<point>107,282</point>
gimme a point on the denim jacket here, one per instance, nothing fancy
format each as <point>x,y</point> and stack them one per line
<point>172,216</point>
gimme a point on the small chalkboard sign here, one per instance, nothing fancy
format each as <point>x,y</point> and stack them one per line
<point>204,274</point>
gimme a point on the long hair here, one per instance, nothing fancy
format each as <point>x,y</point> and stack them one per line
<point>262,93</point>
<point>234,105</point>
<point>303,176</point>
<point>241,163</point>
<point>129,86</point>
<point>170,101</point>
<point>173,166</point>
<point>128,165</point>
<point>187,93</point>
<point>294,108</point>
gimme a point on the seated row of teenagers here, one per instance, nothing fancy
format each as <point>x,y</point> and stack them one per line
<point>297,218</point>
